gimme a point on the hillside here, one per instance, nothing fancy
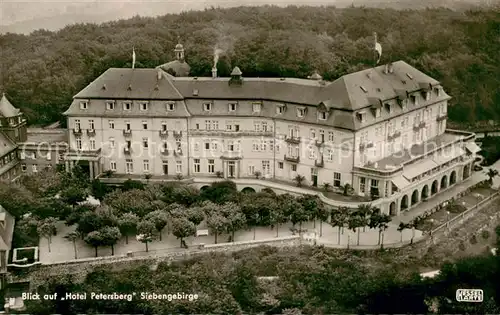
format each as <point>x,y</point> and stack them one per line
<point>42,71</point>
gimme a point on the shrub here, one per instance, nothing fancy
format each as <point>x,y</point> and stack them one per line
<point>485,234</point>
<point>473,239</point>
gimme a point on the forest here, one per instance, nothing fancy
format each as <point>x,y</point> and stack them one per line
<point>40,72</point>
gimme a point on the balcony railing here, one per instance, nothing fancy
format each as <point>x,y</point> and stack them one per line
<point>164,152</point>
<point>163,133</point>
<point>320,142</point>
<point>363,146</point>
<point>394,136</point>
<point>177,134</point>
<point>231,155</point>
<point>319,163</point>
<point>422,124</point>
<point>127,150</point>
<point>292,139</point>
<point>127,132</point>
<point>77,131</point>
<point>178,152</point>
<point>90,132</point>
<point>229,133</point>
<point>441,117</point>
<point>293,159</point>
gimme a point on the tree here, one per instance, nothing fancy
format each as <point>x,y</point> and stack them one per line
<point>217,224</point>
<point>235,218</point>
<point>72,237</point>
<point>278,218</point>
<point>364,211</point>
<point>402,226</point>
<point>72,195</point>
<point>95,240</point>
<point>127,224</point>
<point>491,173</point>
<point>195,215</point>
<point>299,215</point>
<point>159,218</point>
<point>146,231</point>
<point>110,236</point>
<point>299,180</point>
<point>182,228</point>
<point>327,187</point>
<point>47,228</point>
<point>220,192</point>
<point>355,221</point>
<point>132,185</point>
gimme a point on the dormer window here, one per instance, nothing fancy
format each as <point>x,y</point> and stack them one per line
<point>110,105</point>
<point>207,107</point>
<point>232,107</point>
<point>280,109</point>
<point>377,112</point>
<point>437,91</point>
<point>195,92</point>
<point>170,106</point>
<point>414,99</point>
<point>127,105</point>
<point>322,115</point>
<point>301,112</point>
<point>361,116</point>
<point>427,96</point>
<point>144,106</point>
<point>84,104</point>
<point>256,107</point>
<point>388,107</point>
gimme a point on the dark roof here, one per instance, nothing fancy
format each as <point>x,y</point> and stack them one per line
<point>179,67</point>
<point>6,108</point>
<point>6,229</point>
<point>236,71</point>
<point>40,135</point>
<point>127,83</point>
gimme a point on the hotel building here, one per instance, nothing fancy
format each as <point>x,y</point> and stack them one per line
<point>381,130</point>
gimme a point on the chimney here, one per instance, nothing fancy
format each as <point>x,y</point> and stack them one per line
<point>390,68</point>
<point>214,72</point>
<point>159,74</point>
<point>386,69</point>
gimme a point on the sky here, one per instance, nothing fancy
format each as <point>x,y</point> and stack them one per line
<point>21,16</point>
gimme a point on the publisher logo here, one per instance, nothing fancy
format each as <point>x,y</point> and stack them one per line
<point>469,295</point>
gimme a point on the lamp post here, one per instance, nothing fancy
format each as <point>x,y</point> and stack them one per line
<point>448,219</point>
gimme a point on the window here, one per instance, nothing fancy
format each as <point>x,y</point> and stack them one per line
<point>211,166</point>
<point>361,116</point>
<point>178,145</point>
<point>207,145</point>
<point>84,105</point>
<point>33,155</point>
<point>266,167</point>
<point>263,145</point>
<point>214,145</point>
<point>215,125</point>
<point>236,127</point>
<point>111,124</point>
<point>208,125</point>
<point>255,145</point>
<point>251,170</point>
<point>336,179</point>
<point>264,126</point>
<point>145,143</point>
<point>362,184</point>
<point>178,167</point>
<point>331,137</point>
<point>78,126</point>
<point>127,105</point>
<point>22,155</point>
<point>280,165</point>
<point>144,106</point>
<point>112,165</point>
<point>377,112</point>
<point>374,184</point>
<point>128,144</point>
<point>414,99</point>
<point>280,109</point>
<point>129,167</point>
<point>170,107</point>
<point>301,112</point>
<point>92,144</point>
<point>256,126</point>
<point>110,105</point>
<point>231,146</point>
<point>207,107</point>
<point>164,146</point>
<point>111,142</point>
<point>145,166</point>
<point>165,167</point>
<point>256,107</point>
<point>23,167</point>
<point>322,115</point>
<point>294,167</point>
<point>437,91</point>
<point>196,165</point>
<point>78,143</point>
<point>127,125</point>
<point>312,153</point>
<point>312,134</point>
<point>427,96</point>
<point>388,107</point>
<point>329,155</point>
<point>91,124</point>
<point>34,168</point>
<point>232,107</point>
<point>163,126</point>
<point>145,125</point>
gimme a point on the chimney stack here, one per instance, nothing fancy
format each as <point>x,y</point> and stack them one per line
<point>390,68</point>
<point>214,72</point>
<point>159,74</point>
<point>386,70</point>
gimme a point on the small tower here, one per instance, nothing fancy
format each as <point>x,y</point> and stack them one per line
<point>236,77</point>
<point>12,121</point>
<point>179,52</point>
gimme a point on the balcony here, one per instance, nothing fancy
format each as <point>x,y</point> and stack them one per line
<point>394,136</point>
<point>164,152</point>
<point>127,150</point>
<point>422,124</point>
<point>178,152</point>
<point>293,159</point>
<point>177,134</point>
<point>441,117</point>
<point>77,131</point>
<point>163,133</point>
<point>231,155</point>
<point>320,162</point>
<point>127,132</point>
<point>91,132</point>
<point>229,133</point>
<point>320,142</point>
<point>292,139</point>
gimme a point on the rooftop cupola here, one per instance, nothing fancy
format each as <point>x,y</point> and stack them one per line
<point>315,76</point>
<point>236,76</point>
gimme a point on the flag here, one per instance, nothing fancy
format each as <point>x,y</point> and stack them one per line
<point>378,48</point>
<point>133,58</point>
